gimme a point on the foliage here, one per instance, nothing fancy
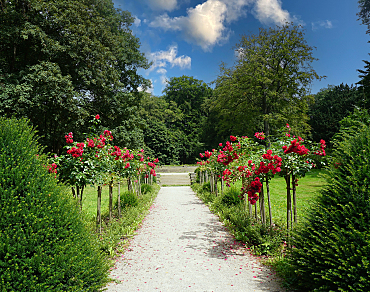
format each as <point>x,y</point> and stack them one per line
<point>333,246</point>
<point>330,106</point>
<point>44,243</point>
<point>174,123</point>
<point>189,94</point>
<point>231,198</point>
<point>96,161</point>
<point>145,188</point>
<point>351,125</point>
<point>364,13</point>
<point>62,61</point>
<point>364,83</point>
<point>160,136</point>
<point>269,83</point>
<point>116,233</point>
<point>128,199</point>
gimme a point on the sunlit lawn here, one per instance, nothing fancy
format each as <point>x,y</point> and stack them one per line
<point>307,189</point>
<point>90,197</point>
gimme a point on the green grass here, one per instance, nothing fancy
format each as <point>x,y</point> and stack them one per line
<point>261,239</point>
<point>90,196</point>
<point>307,189</point>
<point>117,232</point>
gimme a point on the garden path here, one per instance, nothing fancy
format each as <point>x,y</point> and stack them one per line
<point>182,246</point>
<point>176,175</point>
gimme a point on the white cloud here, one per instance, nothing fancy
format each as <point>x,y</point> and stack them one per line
<point>167,23</point>
<point>203,25</point>
<point>167,5</point>
<point>270,11</point>
<point>137,21</point>
<point>163,58</point>
<point>323,24</point>
<point>162,71</point>
<point>206,24</point>
<point>236,8</point>
<point>164,81</point>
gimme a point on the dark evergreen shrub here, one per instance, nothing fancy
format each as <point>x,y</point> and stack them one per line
<point>333,247</point>
<point>129,199</point>
<point>145,188</point>
<point>231,197</point>
<point>206,187</point>
<point>44,243</point>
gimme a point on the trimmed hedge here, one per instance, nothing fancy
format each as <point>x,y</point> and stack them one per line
<point>333,247</point>
<point>44,243</point>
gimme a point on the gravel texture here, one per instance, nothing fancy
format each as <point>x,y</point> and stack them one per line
<point>181,246</point>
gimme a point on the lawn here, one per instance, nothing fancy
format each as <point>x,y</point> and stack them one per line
<point>90,196</point>
<point>307,189</point>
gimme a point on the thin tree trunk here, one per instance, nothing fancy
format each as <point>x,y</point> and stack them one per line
<point>255,211</point>
<point>288,208</point>
<point>78,197</point>
<point>73,192</point>
<point>262,206</point>
<point>119,199</point>
<point>269,199</point>
<point>215,179</point>
<point>139,185</point>
<point>294,198</point>
<point>129,185</point>
<point>81,193</point>
<point>98,215</point>
<point>222,185</point>
<point>211,182</point>
<point>110,200</point>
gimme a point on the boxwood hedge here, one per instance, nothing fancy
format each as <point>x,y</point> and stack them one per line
<point>332,249</point>
<point>44,243</point>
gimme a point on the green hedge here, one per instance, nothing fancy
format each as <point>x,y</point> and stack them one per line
<point>332,249</point>
<point>44,243</point>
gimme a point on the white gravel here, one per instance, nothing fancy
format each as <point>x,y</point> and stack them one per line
<point>182,246</point>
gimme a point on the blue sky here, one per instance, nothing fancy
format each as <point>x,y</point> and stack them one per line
<point>192,37</point>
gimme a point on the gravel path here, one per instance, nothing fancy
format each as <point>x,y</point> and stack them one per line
<point>182,246</point>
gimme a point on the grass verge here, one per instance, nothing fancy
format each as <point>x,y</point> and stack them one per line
<point>261,239</point>
<point>118,231</point>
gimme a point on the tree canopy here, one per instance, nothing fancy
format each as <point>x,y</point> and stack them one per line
<point>174,123</point>
<point>269,83</point>
<point>364,83</point>
<point>330,106</point>
<point>62,61</point>
<point>190,95</point>
<point>364,13</point>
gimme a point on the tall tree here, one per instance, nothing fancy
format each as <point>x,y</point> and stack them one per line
<point>189,94</point>
<point>330,106</point>
<point>62,60</point>
<point>162,139</point>
<point>364,83</point>
<point>364,13</point>
<point>269,83</point>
